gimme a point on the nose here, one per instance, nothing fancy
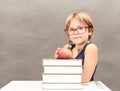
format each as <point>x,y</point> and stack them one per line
<point>75,31</point>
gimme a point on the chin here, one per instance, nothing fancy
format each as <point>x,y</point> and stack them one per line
<point>78,42</point>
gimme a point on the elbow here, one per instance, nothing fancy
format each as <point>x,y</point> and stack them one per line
<point>86,78</point>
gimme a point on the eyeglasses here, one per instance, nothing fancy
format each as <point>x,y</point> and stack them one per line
<point>79,30</point>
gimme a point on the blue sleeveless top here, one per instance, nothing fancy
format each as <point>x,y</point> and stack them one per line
<point>81,56</point>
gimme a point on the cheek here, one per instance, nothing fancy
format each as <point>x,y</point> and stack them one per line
<point>86,35</point>
<point>71,37</point>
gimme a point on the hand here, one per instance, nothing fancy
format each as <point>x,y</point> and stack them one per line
<point>63,53</point>
<point>56,53</point>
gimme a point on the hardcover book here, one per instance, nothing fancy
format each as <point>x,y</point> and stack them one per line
<point>66,62</point>
<point>63,69</point>
<point>62,74</point>
<point>62,78</point>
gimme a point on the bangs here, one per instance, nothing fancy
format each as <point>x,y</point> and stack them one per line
<point>76,16</point>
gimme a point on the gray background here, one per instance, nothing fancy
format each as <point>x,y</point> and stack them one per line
<point>31,30</point>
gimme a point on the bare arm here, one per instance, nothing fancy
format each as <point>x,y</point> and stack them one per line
<point>90,62</point>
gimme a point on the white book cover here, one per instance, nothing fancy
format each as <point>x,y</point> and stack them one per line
<point>62,78</point>
<point>65,62</point>
<point>63,69</point>
<point>58,86</point>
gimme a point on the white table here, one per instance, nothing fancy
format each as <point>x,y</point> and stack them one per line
<point>37,86</point>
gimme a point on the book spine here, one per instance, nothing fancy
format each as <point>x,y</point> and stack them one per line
<point>59,62</point>
<point>62,78</point>
<point>62,69</point>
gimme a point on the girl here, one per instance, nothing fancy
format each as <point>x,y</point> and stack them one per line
<point>79,29</point>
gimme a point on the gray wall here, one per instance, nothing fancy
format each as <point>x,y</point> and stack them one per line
<point>33,29</point>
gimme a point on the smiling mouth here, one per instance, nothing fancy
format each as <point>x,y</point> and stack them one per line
<point>77,37</point>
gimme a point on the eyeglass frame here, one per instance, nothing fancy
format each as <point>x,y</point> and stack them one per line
<point>76,29</point>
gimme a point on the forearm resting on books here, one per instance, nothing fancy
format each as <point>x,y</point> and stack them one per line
<point>87,74</point>
<point>85,79</point>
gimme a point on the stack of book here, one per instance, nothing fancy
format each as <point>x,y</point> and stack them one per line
<point>62,74</point>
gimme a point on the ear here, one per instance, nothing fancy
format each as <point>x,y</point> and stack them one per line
<point>89,33</point>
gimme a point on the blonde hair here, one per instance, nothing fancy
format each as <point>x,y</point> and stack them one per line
<point>83,18</point>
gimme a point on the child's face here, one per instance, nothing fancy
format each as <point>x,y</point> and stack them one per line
<point>78,32</point>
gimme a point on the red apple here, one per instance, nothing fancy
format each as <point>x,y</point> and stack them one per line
<point>63,53</point>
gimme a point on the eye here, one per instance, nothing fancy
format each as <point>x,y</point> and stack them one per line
<point>72,29</point>
<point>80,28</point>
